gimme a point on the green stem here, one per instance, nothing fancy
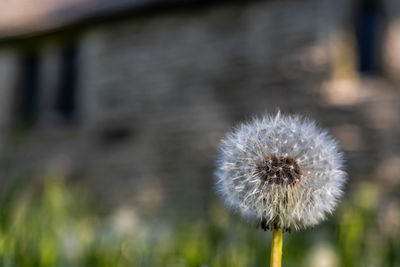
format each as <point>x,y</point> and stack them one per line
<point>276,250</point>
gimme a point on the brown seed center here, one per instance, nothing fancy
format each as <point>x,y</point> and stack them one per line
<point>279,170</point>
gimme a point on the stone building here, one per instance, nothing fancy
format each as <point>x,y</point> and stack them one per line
<point>131,97</point>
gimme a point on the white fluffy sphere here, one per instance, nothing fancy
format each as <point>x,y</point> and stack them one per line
<point>280,170</point>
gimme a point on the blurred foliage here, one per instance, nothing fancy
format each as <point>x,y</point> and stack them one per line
<point>51,224</point>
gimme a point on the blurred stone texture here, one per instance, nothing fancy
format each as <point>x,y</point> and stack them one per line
<point>157,90</point>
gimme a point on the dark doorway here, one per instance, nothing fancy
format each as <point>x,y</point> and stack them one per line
<point>65,102</point>
<point>28,93</point>
<point>369,25</point>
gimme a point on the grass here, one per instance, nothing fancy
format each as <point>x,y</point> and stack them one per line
<point>51,224</point>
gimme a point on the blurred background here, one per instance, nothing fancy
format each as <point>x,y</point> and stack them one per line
<point>111,112</point>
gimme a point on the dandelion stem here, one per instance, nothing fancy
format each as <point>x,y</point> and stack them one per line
<point>276,250</point>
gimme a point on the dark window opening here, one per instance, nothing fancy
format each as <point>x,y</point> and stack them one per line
<point>65,102</point>
<point>28,93</point>
<point>369,24</point>
<point>112,135</point>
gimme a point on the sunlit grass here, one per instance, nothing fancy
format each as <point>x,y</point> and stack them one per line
<point>51,224</point>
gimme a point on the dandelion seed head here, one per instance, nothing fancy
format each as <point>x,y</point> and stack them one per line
<point>282,171</point>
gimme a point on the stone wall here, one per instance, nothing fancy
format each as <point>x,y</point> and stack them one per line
<point>391,54</point>
<point>157,92</point>
<point>8,80</point>
<point>168,86</point>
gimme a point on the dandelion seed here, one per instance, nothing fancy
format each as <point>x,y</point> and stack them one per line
<point>281,171</point>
